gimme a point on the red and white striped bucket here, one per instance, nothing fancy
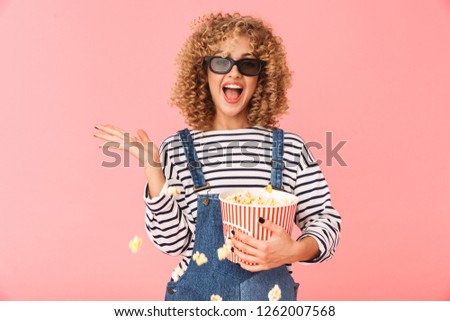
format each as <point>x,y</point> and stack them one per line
<point>244,217</point>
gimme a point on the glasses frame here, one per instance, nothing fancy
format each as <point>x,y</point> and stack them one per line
<point>233,62</point>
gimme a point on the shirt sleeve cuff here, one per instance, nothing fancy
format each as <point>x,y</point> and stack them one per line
<point>321,248</point>
<point>155,199</point>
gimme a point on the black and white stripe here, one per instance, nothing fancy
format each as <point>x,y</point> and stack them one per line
<point>235,159</point>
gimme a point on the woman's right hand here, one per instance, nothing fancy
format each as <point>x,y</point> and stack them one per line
<point>140,147</point>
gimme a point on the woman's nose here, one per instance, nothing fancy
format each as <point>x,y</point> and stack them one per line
<point>234,72</point>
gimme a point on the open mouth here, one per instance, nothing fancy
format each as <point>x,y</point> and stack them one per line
<point>232,92</point>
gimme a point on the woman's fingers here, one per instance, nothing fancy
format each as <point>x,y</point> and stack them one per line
<point>111,130</point>
<point>245,256</point>
<point>267,254</point>
<point>115,134</point>
<point>247,239</point>
<point>107,137</point>
<point>111,144</point>
<point>112,136</point>
<point>245,248</point>
<point>143,135</point>
<point>253,268</point>
<point>140,146</point>
<point>109,127</point>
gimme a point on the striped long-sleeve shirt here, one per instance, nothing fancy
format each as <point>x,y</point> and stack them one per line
<point>237,159</point>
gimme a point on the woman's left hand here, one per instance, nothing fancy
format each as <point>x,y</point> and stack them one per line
<point>280,249</point>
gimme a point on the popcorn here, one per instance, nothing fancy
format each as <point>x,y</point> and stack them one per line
<point>223,251</point>
<point>177,273</point>
<point>250,199</point>
<point>175,191</point>
<point>199,258</point>
<point>216,297</point>
<point>135,244</point>
<point>196,255</point>
<point>268,188</point>
<point>275,293</point>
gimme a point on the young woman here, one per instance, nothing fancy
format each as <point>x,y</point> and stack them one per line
<point>231,88</point>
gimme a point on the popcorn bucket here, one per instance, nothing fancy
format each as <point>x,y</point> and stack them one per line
<point>244,217</point>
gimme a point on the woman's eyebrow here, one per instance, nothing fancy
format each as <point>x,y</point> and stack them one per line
<point>221,53</point>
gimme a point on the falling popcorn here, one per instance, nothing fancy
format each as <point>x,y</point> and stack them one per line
<point>216,297</point>
<point>268,188</point>
<point>275,293</point>
<point>135,244</point>
<point>199,258</point>
<point>195,255</point>
<point>175,191</point>
<point>177,273</point>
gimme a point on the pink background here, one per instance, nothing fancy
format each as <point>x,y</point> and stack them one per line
<point>374,73</point>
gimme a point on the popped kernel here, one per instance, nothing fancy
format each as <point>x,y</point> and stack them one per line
<point>275,293</point>
<point>222,253</point>
<point>175,191</point>
<point>135,244</point>
<point>199,258</point>
<point>196,255</point>
<point>202,259</point>
<point>216,297</point>
<point>268,188</point>
<point>177,273</point>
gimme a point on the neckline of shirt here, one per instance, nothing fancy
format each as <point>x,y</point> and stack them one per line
<point>225,131</point>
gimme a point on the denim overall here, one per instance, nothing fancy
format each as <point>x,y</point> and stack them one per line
<point>225,278</point>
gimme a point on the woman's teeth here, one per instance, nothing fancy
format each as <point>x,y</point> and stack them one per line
<point>232,92</point>
<point>232,86</point>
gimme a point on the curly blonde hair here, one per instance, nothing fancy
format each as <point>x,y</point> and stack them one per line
<point>191,92</point>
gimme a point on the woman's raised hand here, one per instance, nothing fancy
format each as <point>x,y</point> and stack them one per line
<point>139,146</point>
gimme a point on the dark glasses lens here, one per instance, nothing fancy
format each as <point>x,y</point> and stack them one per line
<point>247,67</point>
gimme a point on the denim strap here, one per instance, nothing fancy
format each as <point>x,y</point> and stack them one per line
<point>193,164</point>
<point>276,178</point>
